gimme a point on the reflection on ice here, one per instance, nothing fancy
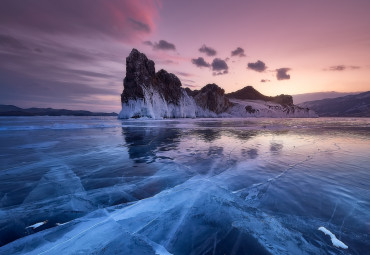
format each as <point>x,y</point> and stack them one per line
<point>186,187</point>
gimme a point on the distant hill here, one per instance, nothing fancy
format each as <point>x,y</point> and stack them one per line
<point>250,93</point>
<point>348,106</point>
<point>11,110</point>
<point>301,98</point>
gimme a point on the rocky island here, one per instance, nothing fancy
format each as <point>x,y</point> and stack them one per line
<point>160,95</point>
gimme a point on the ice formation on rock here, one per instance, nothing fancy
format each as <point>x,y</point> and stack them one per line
<point>160,95</point>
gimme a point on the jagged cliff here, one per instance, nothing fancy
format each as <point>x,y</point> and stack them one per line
<point>160,95</point>
<point>150,94</point>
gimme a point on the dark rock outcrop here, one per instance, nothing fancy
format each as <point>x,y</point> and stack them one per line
<point>191,93</point>
<point>282,99</point>
<point>213,98</point>
<point>250,109</point>
<point>250,93</point>
<point>169,86</point>
<point>140,72</point>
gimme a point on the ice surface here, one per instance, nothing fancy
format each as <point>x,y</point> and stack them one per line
<point>334,240</point>
<point>182,220</point>
<point>194,186</point>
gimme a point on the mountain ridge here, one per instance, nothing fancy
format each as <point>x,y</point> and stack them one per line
<point>12,110</point>
<point>313,96</point>
<point>357,105</point>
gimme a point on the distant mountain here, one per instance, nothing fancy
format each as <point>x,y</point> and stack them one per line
<point>250,93</point>
<point>301,98</point>
<point>348,106</point>
<point>11,110</point>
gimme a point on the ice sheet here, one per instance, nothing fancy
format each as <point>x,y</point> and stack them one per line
<point>259,186</point>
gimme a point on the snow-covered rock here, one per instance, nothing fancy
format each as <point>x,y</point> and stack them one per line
<point>258,108</point>
<point>160,95</point>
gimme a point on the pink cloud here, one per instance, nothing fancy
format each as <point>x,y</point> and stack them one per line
<point>122,20</point>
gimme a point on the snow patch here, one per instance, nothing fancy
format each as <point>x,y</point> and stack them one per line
<point>38,224</point>
<point>258,108</point>
<point>334,240</point>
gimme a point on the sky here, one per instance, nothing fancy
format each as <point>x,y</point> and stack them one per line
<point>71,53</point>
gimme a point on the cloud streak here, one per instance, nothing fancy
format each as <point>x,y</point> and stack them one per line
<point>69,51</point>
<point>7,41</point>
<point>121,20</point>
<point>342,68</point>
<point>140,26</point>
<point>161,45</point>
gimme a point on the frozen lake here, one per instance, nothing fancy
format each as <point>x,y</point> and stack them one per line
<point>82,185</point>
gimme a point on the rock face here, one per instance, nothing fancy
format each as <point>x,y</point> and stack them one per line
<point>140,71</point>
<point>169,86</point>
<point>150,94</point>
<point>160,95</point>
<point>213,98</point>
<point>140,74</point>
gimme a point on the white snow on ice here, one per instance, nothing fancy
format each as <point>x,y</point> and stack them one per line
<point>38,224</point>
<point>335,241</point>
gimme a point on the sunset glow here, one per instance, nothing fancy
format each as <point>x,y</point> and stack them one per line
<point>71,54</point>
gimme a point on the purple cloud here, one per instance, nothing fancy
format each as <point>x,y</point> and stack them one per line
<point>164,45</point>
<point>7,41</point>
<point>219,67</point>
<point>200,62</point>
<point>161,45</point>
<point>122,20</point>
<point>138,25</point>
<point>208,50</point>
<point>258,66</point>
<point>238,52</point>
<point>281,74</point>
<point>51,51</point>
